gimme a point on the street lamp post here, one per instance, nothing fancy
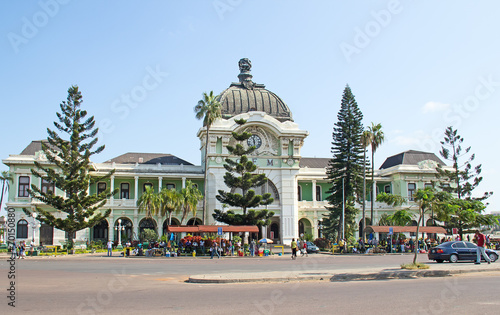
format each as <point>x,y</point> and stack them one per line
<point>34,225</point>
<point>119,229</point>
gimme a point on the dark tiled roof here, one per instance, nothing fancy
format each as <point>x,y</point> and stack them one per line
<point>314,162</point>
<point>148,158</point>
<point>410,157</point>
<point>33,147</point>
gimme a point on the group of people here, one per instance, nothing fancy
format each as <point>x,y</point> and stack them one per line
<point>301,246</point>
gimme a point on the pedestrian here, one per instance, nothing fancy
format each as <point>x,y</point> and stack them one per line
<point>480,240</point>
<point>110,248</point>
<point>252,248</point>
<point>293,245</point>
<point>202,245</point>
<point>300,245</point>
<point>304,249</point>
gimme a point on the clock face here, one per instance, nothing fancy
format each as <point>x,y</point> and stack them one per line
<point>255,141</point>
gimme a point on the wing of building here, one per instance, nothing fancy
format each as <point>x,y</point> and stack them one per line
<point>297,184</point>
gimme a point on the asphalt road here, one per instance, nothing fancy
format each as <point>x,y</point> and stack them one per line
<point>94,285</point>
<point>203,265</point>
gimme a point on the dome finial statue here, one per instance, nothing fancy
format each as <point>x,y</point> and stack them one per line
<point>245,77</point>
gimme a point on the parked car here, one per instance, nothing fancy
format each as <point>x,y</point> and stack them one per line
<point>458,250</point>
<point>311,248</point>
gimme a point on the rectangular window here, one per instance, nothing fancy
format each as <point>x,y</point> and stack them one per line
<point>411,190</point>
<point>318,193</point>
<point>299,193</point>
<point>125,191</point>
<point>170,186</point>
<point>48,187</point>
<point>387,189</point>
<point>101,187</point>
<point>24,185</point>
<point>428,185</point>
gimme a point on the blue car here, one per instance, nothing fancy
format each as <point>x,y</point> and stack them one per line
<point>458,250</point>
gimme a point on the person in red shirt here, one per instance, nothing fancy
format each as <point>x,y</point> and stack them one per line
<point>480,240</point>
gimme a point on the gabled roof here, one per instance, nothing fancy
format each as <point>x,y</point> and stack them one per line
<point>148,158</point>
<point>314,162</point>
<point>33,147</point>
<point>410,157</point>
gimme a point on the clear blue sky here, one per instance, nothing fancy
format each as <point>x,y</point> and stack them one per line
<point>414,67</point>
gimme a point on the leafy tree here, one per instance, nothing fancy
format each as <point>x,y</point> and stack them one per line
<point>149,202</point>
<point>69,171</point>
<point>240,176</point>
<point>190,195</point>
<point>465,215</point>
<point>208,109</point>
<point>149,235</point>
<point>385,220</point>
<point>376,136</point>
<point>6,178</point>
<point>401,217</point>
<point>170,201</point>
<point>464,177</point>
<point>344,169</point>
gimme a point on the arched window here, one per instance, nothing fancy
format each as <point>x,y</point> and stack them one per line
<point>22,229</point>
<point>268,187</point>
<point>147,185</point>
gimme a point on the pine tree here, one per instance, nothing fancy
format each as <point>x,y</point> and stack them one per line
<point>241,175</point>
<point>68,170</point>
<point>345,169</point>
<point>463,176</point>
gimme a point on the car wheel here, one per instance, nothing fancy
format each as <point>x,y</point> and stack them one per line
<point>493,257</point>
<point>453,258</point>
<point>439,261</point>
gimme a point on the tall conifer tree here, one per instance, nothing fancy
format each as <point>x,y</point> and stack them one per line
<point>345,169</point>
<point>68,170</point>
<point>241,175</point>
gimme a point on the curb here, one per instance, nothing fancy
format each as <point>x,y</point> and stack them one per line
<point>341,277</point>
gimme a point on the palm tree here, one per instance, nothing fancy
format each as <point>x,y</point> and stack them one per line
<point>190,196</point>
<point>376,139</point>
<point>170,201</point>
<point>208,109</point>
<point>365,142</point>
<point>6,178</point>
<point>149,202</point>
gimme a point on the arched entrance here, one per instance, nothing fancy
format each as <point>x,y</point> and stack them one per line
<point>46,234</point>
<point>304,227</point>
<point>194,221</point>
<point>100,231</point>
<point>274,231</point>
<point>147,223</point>
<point>127,234</point>
<point>174,221</point>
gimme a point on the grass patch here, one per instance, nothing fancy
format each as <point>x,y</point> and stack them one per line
<point>414,266</point>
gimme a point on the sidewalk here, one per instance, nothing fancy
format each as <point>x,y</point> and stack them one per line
<point>435,270</point>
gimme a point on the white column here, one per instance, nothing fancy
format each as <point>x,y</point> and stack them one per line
<point>374,193</point>
<point>289,207</point>
<point>314,192</point>
<point>136,189</point>
<point>160,180</point>
<point>112,198</point>
<point>111,229</point>
<point>184,182</point>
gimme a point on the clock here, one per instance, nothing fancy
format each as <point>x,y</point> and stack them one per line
<point>254,141</point>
